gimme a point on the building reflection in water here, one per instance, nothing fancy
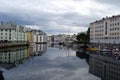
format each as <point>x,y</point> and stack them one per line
<point>38,49</point>
<point>104,67</point>
<point>11,57</point>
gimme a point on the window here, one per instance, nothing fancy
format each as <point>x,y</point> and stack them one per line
<point>118,23</point>
<point>118,33</point>
<point>113,24</point>
<point>117,28</point>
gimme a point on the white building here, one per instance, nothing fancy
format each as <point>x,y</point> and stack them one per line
<point>106,30</point>
<point>38,36</point>
<point>10,32</point>
<point>62,38</point>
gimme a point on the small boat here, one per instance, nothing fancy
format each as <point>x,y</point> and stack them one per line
<point>92,49</point>
<point>106,51</point>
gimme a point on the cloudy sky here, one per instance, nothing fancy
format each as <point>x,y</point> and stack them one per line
<point>57,16</point>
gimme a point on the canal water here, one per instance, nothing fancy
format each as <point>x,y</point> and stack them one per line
<point>39,62</point>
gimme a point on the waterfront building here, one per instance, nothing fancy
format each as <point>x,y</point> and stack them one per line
<point>106,30</point>
<point>38,36</point>
<point>60,38</point>
<point>10,32</point>
<point>105,67</point>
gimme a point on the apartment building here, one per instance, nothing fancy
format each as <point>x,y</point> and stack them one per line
<point>38,36</point>
<point>10,32</point>
<point>106,30</point>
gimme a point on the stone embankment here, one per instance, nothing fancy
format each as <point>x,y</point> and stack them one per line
<point>14,44</point>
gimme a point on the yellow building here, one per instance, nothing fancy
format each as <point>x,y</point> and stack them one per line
<point>28,37</point>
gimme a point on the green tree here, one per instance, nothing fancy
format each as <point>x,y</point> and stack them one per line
<point>83,38</point>
<point>88,35</point>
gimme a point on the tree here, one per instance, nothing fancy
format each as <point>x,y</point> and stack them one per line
<point>88,35</point>
<point>83,38</point>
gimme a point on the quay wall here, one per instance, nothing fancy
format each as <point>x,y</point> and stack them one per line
<point>7,45</point>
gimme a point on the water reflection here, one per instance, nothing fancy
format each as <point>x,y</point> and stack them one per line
<point>83,56</point>
<point>58,63</point>
<point>38,49</point>
<point>1,75</point>
<point>104,67</point>
<point>11,57</point>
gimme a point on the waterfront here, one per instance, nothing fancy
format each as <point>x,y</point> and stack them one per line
<point>54,64</point>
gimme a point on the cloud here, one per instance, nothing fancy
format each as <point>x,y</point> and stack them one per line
<point>57,16</point>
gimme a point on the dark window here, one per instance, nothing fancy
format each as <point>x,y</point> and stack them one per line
<point>106,28</point>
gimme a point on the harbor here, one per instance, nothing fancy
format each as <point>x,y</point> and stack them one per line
<point>45,63</point>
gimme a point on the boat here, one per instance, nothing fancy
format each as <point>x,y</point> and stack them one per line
<point>93,49</point>
<point>105,52</point>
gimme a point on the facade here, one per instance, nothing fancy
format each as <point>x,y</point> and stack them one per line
<point>38,36</point>
<point>104,67</point>
<point>10,32</point>
<point>106,30</point>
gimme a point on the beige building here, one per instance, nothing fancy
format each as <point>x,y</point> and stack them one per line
<point>106,30</point>
<point>38,36</point>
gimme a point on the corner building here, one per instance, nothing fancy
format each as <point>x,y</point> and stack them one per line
<point>106,30</point>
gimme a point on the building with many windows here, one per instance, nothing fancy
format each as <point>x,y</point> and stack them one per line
<point>10,32</point>
<point>38,36</point>
<point>106,30</point>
